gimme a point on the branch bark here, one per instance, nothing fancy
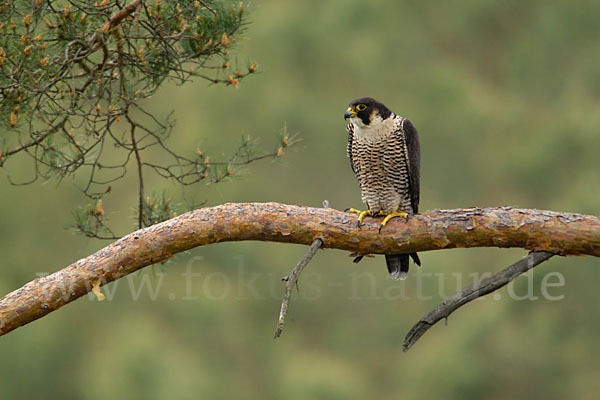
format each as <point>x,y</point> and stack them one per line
<point>120,15</point>
<point>554,232</point>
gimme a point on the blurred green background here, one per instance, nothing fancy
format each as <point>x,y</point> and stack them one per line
<point>505,95</point>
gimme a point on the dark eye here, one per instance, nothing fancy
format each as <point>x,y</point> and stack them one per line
<point>361,107</point>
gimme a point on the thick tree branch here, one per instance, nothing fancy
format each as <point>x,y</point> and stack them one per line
<point>554,232</point>
<point>473,292</point>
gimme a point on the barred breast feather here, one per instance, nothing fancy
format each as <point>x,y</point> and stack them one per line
<point>380,160</point>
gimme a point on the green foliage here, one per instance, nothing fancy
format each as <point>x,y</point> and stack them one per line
<point>76,76</point>
<point>91,221</point>
<point>157,208</point>
<point>76,56</point>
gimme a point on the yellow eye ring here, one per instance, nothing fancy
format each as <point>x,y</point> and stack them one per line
<point>361,107</point>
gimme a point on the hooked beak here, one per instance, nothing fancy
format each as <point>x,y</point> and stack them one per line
<point>350,113</point>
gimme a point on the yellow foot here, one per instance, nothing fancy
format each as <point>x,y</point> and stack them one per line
<point>390,216</point>
<point>363,214</point>
<point>353,210</point>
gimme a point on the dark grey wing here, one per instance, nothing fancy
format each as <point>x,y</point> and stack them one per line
<point>350,129</point>
<point>414,160</point>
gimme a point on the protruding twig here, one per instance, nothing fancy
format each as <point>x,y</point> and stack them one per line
<point>473,292</point>
<point>125,12</point>
<point>291,281</point>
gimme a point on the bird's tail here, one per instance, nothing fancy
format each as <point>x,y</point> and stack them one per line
<point>397,264</point>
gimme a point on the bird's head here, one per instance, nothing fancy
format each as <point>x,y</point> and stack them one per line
<point>366,112</point>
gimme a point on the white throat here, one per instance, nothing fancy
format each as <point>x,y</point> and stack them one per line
<point>377,129</point>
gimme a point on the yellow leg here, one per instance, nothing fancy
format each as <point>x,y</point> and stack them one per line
<point>390,216</point>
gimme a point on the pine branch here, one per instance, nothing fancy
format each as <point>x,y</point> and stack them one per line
<point>554,232</point>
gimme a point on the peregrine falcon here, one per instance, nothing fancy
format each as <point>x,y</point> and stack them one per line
<point>384,154</point>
